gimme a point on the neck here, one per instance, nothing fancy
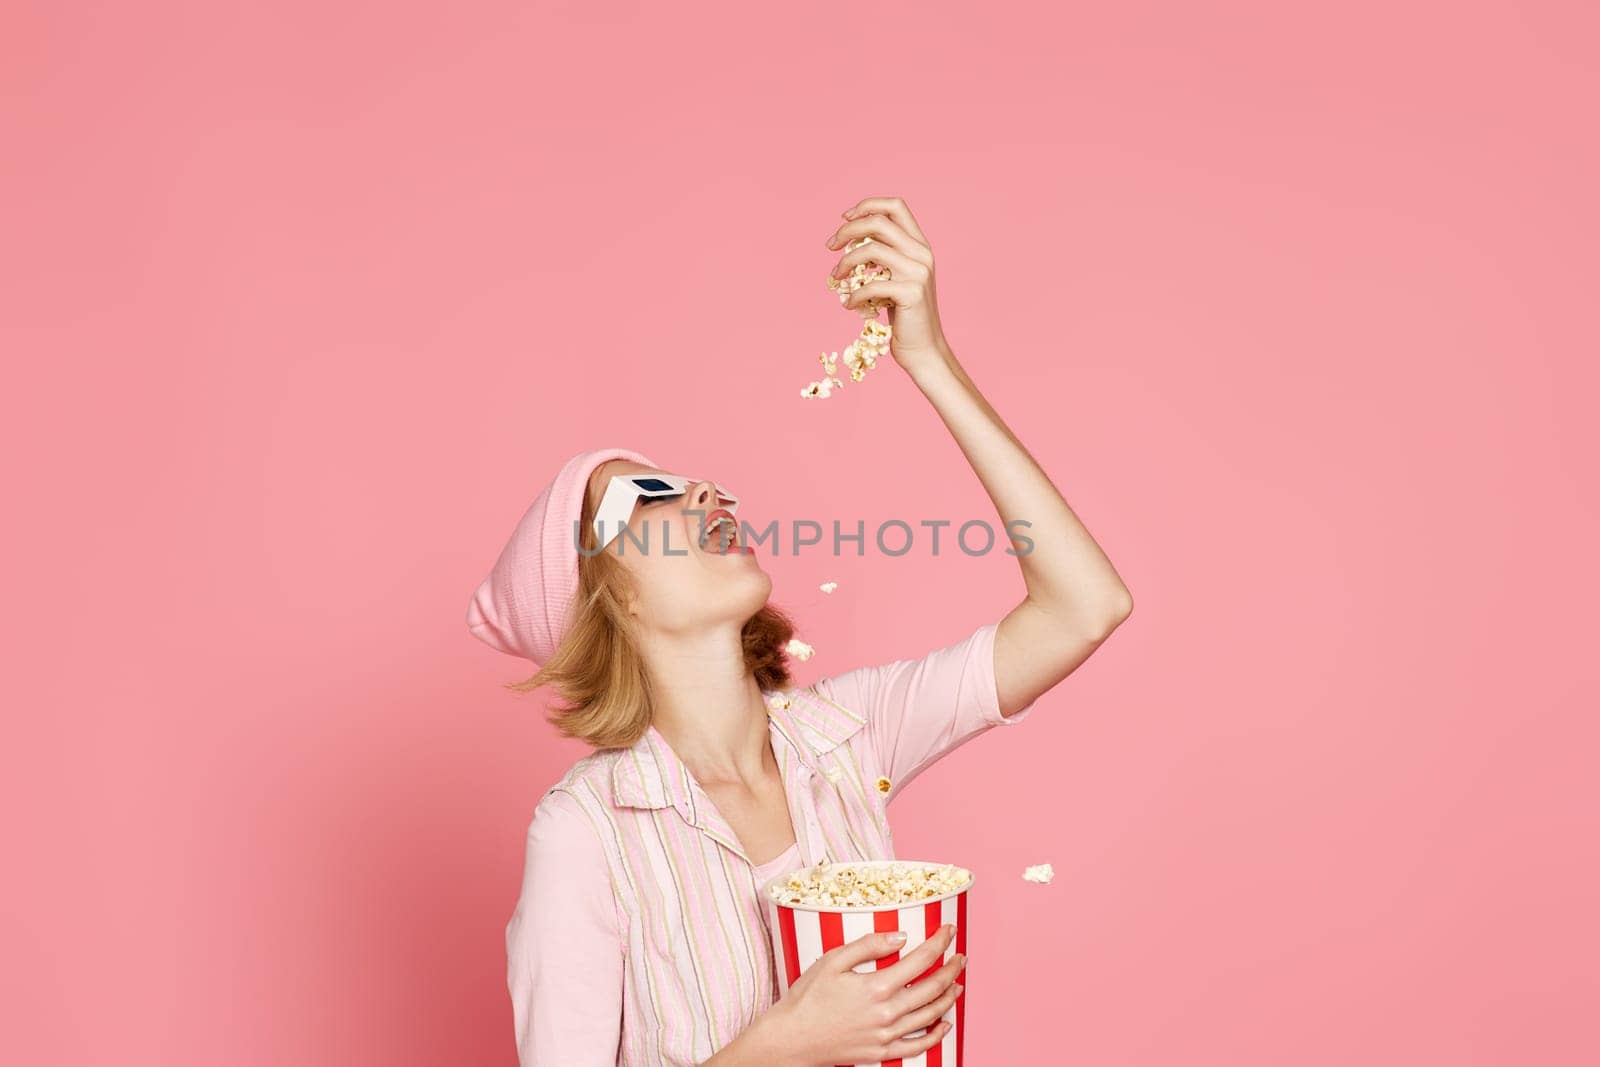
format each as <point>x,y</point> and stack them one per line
<point>708,706</point>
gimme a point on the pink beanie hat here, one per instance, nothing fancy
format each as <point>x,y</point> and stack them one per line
<point>525,604</point>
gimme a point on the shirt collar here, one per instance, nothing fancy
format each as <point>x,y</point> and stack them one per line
<point>817,724</point>
<point>650,775</point>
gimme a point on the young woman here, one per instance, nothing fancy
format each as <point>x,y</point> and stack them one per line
<point>639,937</point>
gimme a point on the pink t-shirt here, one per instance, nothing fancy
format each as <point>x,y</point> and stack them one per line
<point>639,936</point>
<point>781,864</point>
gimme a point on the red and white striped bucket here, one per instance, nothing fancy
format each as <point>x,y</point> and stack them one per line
<point>801,933</point>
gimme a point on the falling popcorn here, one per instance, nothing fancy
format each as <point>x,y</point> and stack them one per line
<point>860,355</point>
<point>779,701</point>
<point>822,388</point>
<point>884,785</point>
<point>828,587</point>
<point>1042,874</point>
<point>799,649</point>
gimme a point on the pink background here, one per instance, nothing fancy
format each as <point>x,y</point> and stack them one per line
<point>303,302</point>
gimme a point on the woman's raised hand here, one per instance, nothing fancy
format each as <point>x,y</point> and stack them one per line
<point>834,1014</point>
<point>898,243</point>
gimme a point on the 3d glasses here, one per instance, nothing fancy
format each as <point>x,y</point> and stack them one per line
<point>626,490</point>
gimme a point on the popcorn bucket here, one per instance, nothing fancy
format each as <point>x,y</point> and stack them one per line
<point>801,933</point>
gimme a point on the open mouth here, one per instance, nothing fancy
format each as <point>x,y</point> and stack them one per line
<point>720,535</point>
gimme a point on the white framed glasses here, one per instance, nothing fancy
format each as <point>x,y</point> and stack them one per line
<point>626,490</point>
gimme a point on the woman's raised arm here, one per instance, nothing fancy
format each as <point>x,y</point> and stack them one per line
<point>1075,598</point>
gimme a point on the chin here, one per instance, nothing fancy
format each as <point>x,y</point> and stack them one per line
<point>760,587</point>
<point>747,594</point>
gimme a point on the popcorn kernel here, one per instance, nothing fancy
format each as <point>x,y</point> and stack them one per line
<point>1043,873</point>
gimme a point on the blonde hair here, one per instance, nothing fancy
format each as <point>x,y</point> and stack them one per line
<point>596,672</point>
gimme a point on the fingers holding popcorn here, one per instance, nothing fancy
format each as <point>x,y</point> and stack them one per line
<point>892,262</point>
<point>900,294</point>
<point>865,270</point>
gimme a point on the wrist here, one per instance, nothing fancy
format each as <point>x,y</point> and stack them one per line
<point>772,1039</point>
<point>931,366</point>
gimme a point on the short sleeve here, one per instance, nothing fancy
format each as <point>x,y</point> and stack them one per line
<point>563,944</point>
<point>918,710</point>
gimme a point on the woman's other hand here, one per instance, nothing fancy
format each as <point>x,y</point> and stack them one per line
<point>834,1014</point>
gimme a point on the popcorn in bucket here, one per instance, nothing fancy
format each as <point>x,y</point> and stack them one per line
<point>814,910</point>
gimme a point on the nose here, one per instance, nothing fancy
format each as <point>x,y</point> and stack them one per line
<point>702,495</point>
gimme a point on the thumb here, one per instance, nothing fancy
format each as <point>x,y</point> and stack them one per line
<point>871,946</point>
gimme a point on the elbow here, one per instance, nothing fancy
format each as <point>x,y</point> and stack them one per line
<point>1113,615</point>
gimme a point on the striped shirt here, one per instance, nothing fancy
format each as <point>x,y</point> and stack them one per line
<point>639,937</point>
